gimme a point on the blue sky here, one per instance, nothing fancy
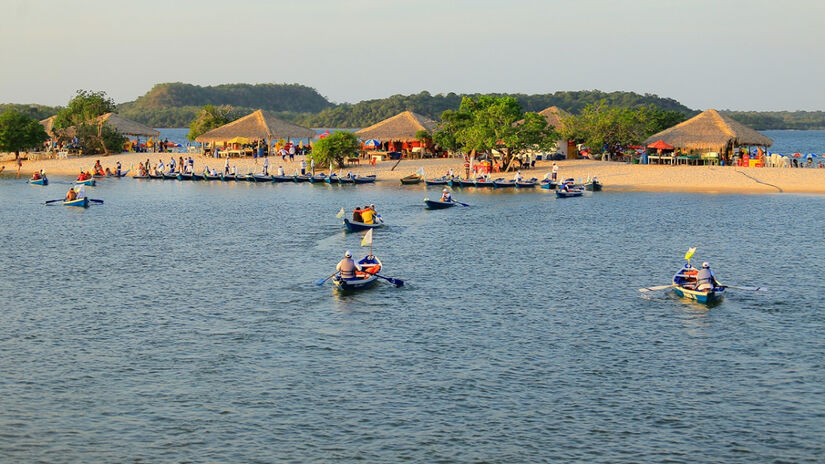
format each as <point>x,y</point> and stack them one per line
<point>724,54</point>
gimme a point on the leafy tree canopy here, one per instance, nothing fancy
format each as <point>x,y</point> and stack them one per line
<point>99,139</point>
<point>19,132</point>
<point>210,117</point>
<point>335,148</point>
<point>84,107</point>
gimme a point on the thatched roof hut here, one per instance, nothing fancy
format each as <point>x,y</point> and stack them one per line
<point>554,115</point>
<point>710,131</point>
<point>261,125</point>
<point>400,128</point>
<point>48,125</point>
<point>127,126</point>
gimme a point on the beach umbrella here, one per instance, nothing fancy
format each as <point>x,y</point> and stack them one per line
<point>810,155</point>
<point>660,145</point>
<point>240,140</point>
<point>372,143</point>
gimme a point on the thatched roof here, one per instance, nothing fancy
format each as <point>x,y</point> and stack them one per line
<point>48,125</point>
<point>401,127</point>
<point>127,126</point>
<point>257,125</point>
<point>710,130</point>
<point>554,115</point>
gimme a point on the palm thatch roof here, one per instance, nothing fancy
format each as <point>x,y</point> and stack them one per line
<point>710,130</point>
<point>127,126</point>
<point>402,127</point>
<point>257,125</point>
<point>554,115</point>
<point>48,125</point>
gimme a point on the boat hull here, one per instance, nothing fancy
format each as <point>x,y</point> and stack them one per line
<point>89,182</point>
<point>282,179</point>
<point>41,181</point>
<point>594,186</point>
<point>439,181</point>
<point>704,297</point>
<point>433,204</point>
<point>364,180</point>
<point>467,183</point>
<point>360,226</point>
<point>81,202</point>
<point>504,183</point>
<point>411,180</point>
<point>568,193</point>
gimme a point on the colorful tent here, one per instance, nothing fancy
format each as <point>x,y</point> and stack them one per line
<point>660,145</point>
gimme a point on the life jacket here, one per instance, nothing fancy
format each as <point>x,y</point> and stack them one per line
<point>367,216</point>
<point>347,268</point>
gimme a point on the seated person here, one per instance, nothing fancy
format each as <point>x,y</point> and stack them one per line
<point>356,215</point>
<point>367,216</point>
<point>71,195</point>
<point>35,175</point>
<point>705,279</point>
<point>446,197</point>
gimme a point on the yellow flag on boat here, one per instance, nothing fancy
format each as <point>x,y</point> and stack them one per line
<point>340,213</point>
<point>367,240</point>
<point>690,253</point>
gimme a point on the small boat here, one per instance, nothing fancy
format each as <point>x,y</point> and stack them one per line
<point>685,286</point>
<point>364,179</point>
<point>467,183</point>
<point>438,181</point>
<point>569,192</point>
<point>211,177</point>
<point>530,183</point>
<point>504,183</point>
<point>485,183</point>
<point>155,176</point>
<point>170,175</point>
<point>364,278</point>
<point>282,179</point>
<point>89,182</point>
<point>548,184</point>
<point>318,178</point>
<point>42,181</point>
<point>593,186</point>
<point>346,180</point>
<point>82,202</point>
<point>137,176</point>
<point>198,177</point>
<point>302,178</point>
<point>437,204</point>
<point>228,177</point>
<point>246,178</point>
<point>331,179</point>
<point>259,178</point>
<point>122,174</point>
<point>412,179</point>
<point>184,176</point>
<point>353,226</point>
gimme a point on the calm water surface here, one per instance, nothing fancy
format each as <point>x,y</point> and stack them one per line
<point>179,322</point>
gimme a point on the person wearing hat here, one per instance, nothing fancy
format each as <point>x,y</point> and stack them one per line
<point>705,279</point>
<point>446,197</point>
<point>347,266</point>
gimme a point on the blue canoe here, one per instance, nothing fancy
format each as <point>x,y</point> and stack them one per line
<point>434,204</point>
<point>684,285</point>
<point>360,226</point>
<point>548,184</point>
<point>89,182</point>
<point>41,181</point>
<point>569,193</point>
<point>82,202</point>
<point>502,183</point>
<point>362,280</point>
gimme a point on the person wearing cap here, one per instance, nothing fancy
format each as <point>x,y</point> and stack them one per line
<point>446,197</point>
<point>375,214</point>
<point>347,266</point>
<point>705,279</point>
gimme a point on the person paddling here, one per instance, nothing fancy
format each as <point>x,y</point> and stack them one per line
<point>367,216</point>
<point>71,195</point>
<point>347,267</point>
<point>705,279</point>
<point>446,197</point>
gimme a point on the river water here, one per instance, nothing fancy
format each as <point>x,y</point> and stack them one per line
<point>179,322</point>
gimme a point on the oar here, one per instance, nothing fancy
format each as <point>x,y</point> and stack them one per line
<point>750,289</point>
<point>96,201</point>
<point>653,289</point>
<point>460,203</point>
<point>396,282</point>
<point>53,201</point>
<point>321,281</point>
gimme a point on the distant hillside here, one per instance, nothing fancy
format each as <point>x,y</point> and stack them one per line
<point>176,104</point>
<point>766,120</point>
<point>34,111</point>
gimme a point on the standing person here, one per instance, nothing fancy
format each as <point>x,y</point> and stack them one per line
<point>181,164</point>
<point>118,169</point>
<point>226,164</point>
<point>266,166</point>
<point>191,164</point>
<point>171,164</point>
<point>312,165</point>
<point>282,152</point>
<point>165,144</point>
<point>555,172</point>
<point>303,166</point>
<point>160,169</point>
<point>292,152</point>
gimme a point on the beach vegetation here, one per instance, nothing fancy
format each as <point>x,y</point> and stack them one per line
<point>488,123</point>
<point>82,113</point>
<point>335,149</point>
<point>99,138</point>
<point>19,132</point>
<point>210,117</point>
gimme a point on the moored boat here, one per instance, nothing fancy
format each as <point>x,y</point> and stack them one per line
<point>365,278</point>
<point>412,179</point>
<point>318,178</point>
<point>593,186</point>
<point>503,183</point>
<point>154,176</point>
<point>569,192</point>
<point>259,178</point>
<point>282,179</point>
<point>198,177</point>
<point>170,175</point>
<point>485,183</point>
<point>301,178</point>
<point>228,177</point>
<point>353,226</point>
<point>82,202</point>
<point>437,181</point>
<point>346,179</point>
<point>437,204</point>
<point>548,184</point>
<point>529,183</point>
<point>184,176</point>
<point>211,177</point>
<point>364,179</point>
<point>467,183</point>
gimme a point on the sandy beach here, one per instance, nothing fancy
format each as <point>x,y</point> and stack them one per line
<point>615,176</point>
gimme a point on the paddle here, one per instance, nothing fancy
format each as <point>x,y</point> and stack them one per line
<point>53,201</point>
<point>96,201</point>
<point>460,203</point>
<point>653,289</point>
<point>749,289</point>
<point>396,282</point>
<point>320,282</point>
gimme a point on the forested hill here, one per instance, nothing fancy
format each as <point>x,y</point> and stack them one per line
<point>33,111</point>
<point>766,120</point>
<point>369,112</point>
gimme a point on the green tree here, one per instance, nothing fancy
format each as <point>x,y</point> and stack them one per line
<point>608,128</point>
<point>335,148</point>
<point>210,117</point>
<point>96,139</point>
<point>489,123</point>
<point>83,110</point>
<point>18,132</point>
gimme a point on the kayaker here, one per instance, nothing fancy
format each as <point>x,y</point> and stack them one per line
<point>446,197</point>
<point>71,195</point>
<point>367,216</point>
<point>705,279</point>
<point>347,266</point>
<point>357,215</point>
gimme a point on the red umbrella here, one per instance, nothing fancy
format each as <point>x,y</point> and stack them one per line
<point>324,135</point>
<point>660,145</point>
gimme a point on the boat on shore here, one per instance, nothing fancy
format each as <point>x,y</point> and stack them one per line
<point>482,183</point>
<point>548,184</point>
<point>302,178</point>
<point>593,186</point>
<point>437,181</point>
<point>467,183</point>
<point>353,226</point>
<point>364,179</point>
<point>504,183</point>
<point>259,178</point>
<point>279,178</point>
<point>318,178</point>
<point>438,204</point>
<point>412,179</point>
<point>170,175</point>
<point>211,177</point>
<point>184,176</point>
<point>364,278</point>
<point>228,177</point>
<point>528,183</point>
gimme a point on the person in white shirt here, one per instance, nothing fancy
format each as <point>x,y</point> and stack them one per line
<point>517,177</point>
<point>312,166</point>
<point>555,172</point>
<point>266,166</point>
<point>281,170</point>
<point>292,152</point>
<point>303,166</point>
<point>226,165</point>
